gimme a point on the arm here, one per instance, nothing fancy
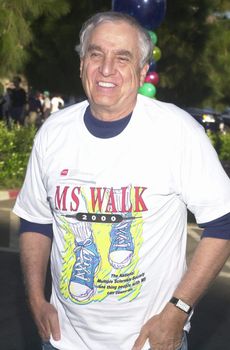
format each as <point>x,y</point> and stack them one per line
<point>35,252</point>
<point>164,330</point>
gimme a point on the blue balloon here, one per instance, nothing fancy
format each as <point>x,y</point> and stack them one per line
<point>152,66</point>
<point>149,13</point>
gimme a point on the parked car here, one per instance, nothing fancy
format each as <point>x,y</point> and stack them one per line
<point>207,117</point>
<point>226,116</point>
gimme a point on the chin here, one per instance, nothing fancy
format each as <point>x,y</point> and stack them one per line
<point>104,102</point>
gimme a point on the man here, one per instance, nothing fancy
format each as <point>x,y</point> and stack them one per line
<point>34,109</point>
<point>46,105</point>
<point>56,103</point>
<point>18,102</point>
<point>116,192</point>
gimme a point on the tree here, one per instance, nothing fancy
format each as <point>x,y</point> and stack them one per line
<point>16,17</point>
<point>195,55</point>
<point>217,58</point>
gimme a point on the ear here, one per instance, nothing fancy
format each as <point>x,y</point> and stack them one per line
<point>81,67</point>
<point>144,71</point>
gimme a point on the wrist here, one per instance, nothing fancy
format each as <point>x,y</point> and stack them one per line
<point>181,305</point>
<point>36,300</point>
<point>174,315</point>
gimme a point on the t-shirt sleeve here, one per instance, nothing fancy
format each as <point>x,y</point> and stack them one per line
<point>27,226</point>
<point>205,187</point>
<point>218,228</point>
<point>32,203</point>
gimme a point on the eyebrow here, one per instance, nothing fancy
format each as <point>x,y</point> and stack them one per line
<point>126,53</point>
<point>92,47</point>
<point>121,52</point>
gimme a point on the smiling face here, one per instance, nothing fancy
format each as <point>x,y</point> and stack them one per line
<point>110,70</point>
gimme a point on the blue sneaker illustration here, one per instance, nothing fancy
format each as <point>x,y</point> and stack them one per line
<point>81,285</point>
<point>121,246</point>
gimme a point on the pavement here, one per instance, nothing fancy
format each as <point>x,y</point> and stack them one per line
<point>210,323</point>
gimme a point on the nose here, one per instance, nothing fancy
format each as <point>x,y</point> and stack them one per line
<point>107,66</point>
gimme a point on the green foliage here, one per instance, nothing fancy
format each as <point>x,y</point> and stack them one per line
<point>216,59</point>
<point>221,143</point>
<point>15,148</point>
<point>194,69</point>
<point>224,152</point>
<point>16,17</point>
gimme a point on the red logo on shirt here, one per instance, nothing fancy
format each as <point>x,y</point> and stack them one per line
<point>64,172</point>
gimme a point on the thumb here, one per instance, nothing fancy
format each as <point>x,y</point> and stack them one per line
<point>140,341</point>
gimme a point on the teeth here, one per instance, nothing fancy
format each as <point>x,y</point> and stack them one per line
<point>104,84</point>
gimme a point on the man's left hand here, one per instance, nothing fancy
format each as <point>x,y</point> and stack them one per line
<point>164,331</point>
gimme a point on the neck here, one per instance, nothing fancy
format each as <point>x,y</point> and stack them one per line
<point>110,114</point>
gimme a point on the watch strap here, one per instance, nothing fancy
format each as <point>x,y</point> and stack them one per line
<point>180,304</point>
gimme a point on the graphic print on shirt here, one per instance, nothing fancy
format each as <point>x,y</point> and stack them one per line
<point>103,236</point>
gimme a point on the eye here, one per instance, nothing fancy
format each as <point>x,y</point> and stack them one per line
<point>123,59</point>
<point>95,54</point>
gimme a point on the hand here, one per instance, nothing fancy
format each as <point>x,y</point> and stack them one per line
<point>164,331</point>
<point>46,319</point>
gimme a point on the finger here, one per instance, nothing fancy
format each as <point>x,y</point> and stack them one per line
<point>44,331</point>
<point>140,341</point>
<point>55,327</point>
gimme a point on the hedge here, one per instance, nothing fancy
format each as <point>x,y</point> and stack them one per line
<point>16,144</point>
<point>15,147</point>
<point>221,143</point>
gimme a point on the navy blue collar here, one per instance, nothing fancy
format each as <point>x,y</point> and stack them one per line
<point>104,129</point>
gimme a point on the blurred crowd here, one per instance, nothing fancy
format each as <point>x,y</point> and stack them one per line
<point>29,107</point>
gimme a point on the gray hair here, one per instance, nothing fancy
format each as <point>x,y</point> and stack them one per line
<point>144,39</point>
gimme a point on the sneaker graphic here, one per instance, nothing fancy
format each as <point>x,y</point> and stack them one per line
<point>121,246</point>
<point>81,286</point>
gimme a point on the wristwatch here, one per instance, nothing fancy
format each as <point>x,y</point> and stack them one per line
<point>181,305</point>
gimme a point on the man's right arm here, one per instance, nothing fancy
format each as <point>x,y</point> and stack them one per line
<point>34,253</point>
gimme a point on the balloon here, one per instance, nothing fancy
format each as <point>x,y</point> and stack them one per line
<point>153,37</point>
<point>156,53</point>
<point>149,13</point>
<point>152,78</point>
<point>147,89</point>
<point>152,66</point>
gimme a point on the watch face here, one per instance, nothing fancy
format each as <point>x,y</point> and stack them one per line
<point>182,305</point>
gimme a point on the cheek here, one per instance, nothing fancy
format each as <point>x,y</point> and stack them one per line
<point>86,76</point>
<point>90,73</point>
<point>127,74</point>
<point>133,77</point>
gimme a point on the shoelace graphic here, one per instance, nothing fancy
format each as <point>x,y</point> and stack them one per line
<point>84,260</point>
<point>121,238</point>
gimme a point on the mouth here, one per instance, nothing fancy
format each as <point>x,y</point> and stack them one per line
<point>106,84</point>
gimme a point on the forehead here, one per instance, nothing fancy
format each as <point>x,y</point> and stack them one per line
<point>117,35</point>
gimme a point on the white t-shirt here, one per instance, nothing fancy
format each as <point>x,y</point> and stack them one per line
<point>56,102</point>
<point>119,213</point>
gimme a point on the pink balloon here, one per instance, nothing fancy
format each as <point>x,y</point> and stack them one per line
<point>152,77</point>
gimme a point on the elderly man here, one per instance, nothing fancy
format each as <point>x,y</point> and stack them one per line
<point>108,194</point>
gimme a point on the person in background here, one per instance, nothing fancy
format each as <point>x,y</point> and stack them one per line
<point>57,103</point>
<point>34,109</point>
<point>46,105</point>
<point>106,193</point>
<point>18,102</point>
<point>6,106</point>
<point>2,101</point>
